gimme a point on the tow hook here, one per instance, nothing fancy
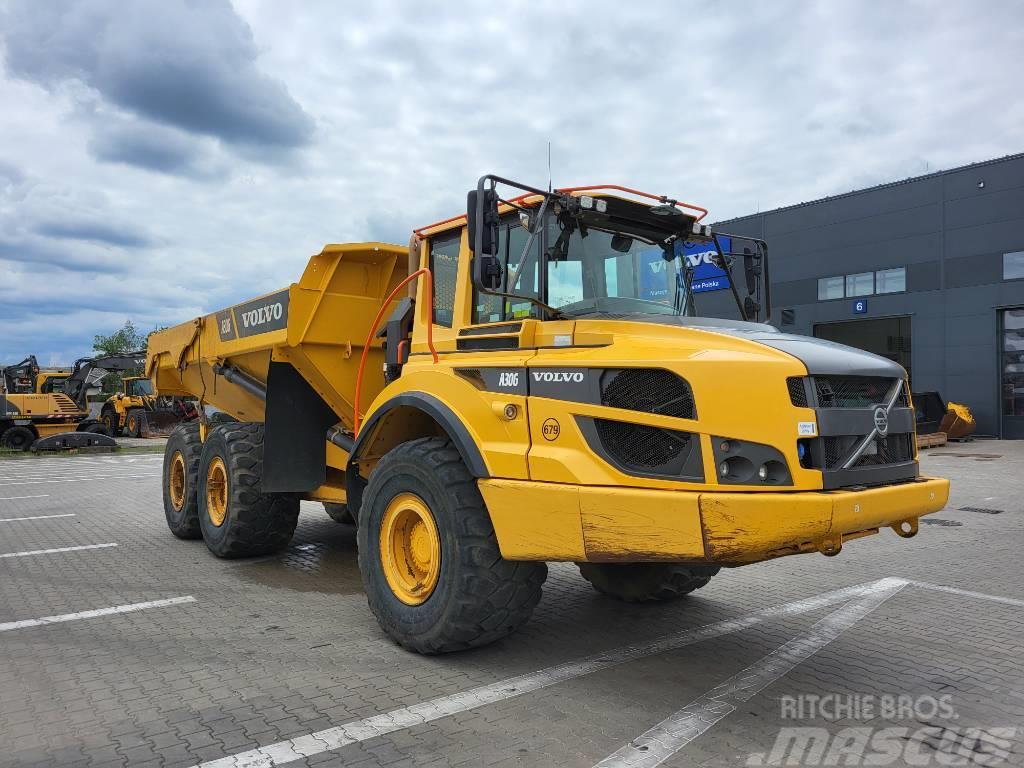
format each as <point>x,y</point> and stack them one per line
<point>830,547</point>
<point>906,528</point>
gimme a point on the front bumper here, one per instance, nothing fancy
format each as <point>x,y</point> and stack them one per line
<point>554,521</point>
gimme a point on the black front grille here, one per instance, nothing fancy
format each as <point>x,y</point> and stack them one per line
<point>639,447</point>
<point>852,391</point>
<point>893,449</point>
<point>797,391</point>
<point>649,390</point>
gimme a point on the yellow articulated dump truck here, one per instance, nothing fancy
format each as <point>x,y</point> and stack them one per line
<point>533,381</point>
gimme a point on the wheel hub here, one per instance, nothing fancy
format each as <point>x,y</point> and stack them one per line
<point>176,481</point>
<point>217,491</point>
<point>410,549</point>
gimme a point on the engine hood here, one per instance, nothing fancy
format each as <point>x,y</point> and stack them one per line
<point>820,357</point>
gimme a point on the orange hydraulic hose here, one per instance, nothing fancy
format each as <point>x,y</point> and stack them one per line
<point>429,281</point>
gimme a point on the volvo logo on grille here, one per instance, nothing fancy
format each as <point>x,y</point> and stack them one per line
<point>881,421</point>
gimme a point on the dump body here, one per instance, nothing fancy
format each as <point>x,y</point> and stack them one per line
<point>318,326</point>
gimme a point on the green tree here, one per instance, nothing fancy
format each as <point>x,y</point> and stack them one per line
<point>125,339</point>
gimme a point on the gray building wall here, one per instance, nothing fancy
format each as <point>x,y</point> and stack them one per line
<point>949,229</point>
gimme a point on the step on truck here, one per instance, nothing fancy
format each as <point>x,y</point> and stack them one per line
<point>533,381</point>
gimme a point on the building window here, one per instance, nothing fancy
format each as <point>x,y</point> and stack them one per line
<point>891,280</point>
<point>830,288</point>
<point>444,263</point>
<point>1013,265</point>
<point>861,284</point>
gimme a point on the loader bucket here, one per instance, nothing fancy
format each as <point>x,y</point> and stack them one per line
<point>160,423</point>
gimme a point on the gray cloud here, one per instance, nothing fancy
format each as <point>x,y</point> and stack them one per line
<point>191,65</point>
<point>737,108</point>
<point>94,232</point>
<point>155,148</point>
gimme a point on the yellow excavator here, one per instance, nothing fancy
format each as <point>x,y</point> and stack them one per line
<point>544,388</point>
<point>48,409</point>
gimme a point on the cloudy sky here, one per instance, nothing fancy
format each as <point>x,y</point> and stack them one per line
<point>159,160</point>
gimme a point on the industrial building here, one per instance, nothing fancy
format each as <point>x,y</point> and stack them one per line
<point>927,271</point>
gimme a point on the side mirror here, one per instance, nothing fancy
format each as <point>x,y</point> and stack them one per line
<point>751,270</point>
<point>482,230</point>
<point>482,222</point>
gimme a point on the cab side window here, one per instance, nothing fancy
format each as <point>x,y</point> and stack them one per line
<point>444,266</point>
<point>512,238</point>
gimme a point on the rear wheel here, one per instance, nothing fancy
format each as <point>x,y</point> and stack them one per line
<point>429,558</point>
<point>17,438</point>
<point>181,481</point>
<point>339,513</point>
<point>236,518</point>
<point>645,582</point>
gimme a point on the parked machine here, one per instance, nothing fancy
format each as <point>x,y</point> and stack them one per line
<point>138,412</point>
<point>32,406</point>
<point>37,404</point>
<point>544,389</point>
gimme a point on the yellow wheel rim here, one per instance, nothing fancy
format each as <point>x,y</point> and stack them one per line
<point>410,549</point>
<point>176,481</point>
<point>217,491</point>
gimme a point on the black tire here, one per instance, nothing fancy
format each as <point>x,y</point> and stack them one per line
<point>183,522</point>
<point>645,582</point>
<point>97,428</point>
<point>255,523</point>
<point>339,513</point>
<point>133,422</point>
<point>17,438</point>
<point>479,597</point>
<point>110,420</point>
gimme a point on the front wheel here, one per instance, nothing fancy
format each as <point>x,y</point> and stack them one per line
<point>646,582</point>
<point>429,557</point>
<point>17,438</point>
<point>133,422</point>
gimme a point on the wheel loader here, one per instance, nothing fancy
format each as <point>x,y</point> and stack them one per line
<point>138,412</point>
<point>533,381</point>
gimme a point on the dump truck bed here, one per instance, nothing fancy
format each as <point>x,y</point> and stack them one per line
<point>318,325</point>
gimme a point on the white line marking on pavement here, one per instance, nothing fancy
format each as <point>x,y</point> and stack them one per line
<point>13,498</point>
<point>81,479</point>
<point>967,593</point>
<point>658,744</point>
<point>58,549</point>
<point>444,706</point>
<point>129,608</point>
<point>34,517</point>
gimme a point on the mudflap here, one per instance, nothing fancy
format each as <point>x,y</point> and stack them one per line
<point>67,441</point>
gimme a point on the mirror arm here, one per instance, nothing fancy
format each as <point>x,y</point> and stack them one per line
<point>728,271</point>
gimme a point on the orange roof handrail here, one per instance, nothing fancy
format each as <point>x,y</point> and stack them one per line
<point>566,190</point>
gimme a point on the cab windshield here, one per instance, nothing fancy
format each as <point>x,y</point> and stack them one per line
<point>596,271</point>
<point>605,272</point>
<point>139,387</point>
